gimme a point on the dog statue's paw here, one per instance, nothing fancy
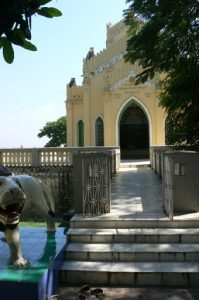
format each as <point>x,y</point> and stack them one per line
<point>21,262</point>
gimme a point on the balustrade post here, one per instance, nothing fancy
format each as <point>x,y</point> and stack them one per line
<point>35,157</point>
<point>78,195</point>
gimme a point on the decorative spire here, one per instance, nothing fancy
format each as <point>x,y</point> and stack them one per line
<point>90,53</point>
<point>72,82</point>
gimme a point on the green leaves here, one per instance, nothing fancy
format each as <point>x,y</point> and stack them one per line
<point>167,34</point>
<point>56,132</point>
<point>168,43</point>
<point>15,37</point>
<point>8,52</point>
<point>43,2</point>
<point>49,12</point>
<point>29,46</point>
<point>15,23</point>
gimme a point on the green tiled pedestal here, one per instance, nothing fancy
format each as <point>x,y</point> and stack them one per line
<point>39,280</point>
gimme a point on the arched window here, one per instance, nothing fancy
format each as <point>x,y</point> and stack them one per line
<point>81,133</point>
<point>99,132</point>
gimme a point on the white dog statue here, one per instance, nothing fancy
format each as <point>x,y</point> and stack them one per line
<point>19,194</point>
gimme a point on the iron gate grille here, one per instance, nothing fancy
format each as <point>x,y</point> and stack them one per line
<point>96,184</point>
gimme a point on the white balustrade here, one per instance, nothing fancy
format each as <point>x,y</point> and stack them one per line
<point>24,157</point>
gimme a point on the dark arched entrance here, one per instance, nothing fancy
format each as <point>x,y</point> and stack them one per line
<point>134,133</point>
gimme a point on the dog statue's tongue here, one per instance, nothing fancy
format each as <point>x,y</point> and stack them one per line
<point>10,216</point>
<point>13,214</point>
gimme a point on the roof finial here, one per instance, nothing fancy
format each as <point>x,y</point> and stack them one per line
<point>90,53</point>
<point>72,82</point>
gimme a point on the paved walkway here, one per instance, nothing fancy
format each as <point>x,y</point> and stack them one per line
<point>136,192</point>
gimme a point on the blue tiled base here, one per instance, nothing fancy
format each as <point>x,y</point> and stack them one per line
<point>38,281</point>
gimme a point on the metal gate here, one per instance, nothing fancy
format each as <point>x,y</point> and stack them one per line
<point>96,184</point>
<point>168,184</point>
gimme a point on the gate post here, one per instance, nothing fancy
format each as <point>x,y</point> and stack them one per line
<point>167,184</point>
<point>92,183</point>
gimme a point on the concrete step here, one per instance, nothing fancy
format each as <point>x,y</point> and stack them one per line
<point>180,274</point>
<point>135,164</point>
<point>143,235</point>
<point>132,252</point>
<point>147,221</point>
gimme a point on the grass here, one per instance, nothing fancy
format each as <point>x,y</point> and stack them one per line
<point>35,224</point>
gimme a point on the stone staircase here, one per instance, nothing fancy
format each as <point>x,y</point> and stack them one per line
<point>128,164</point>
<point>140,252</point>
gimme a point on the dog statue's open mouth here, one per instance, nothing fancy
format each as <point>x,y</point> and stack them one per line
<point>10,214</point>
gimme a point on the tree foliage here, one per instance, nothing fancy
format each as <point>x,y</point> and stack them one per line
<point>15,23</point>
<point>56,132</point>
<point>167,41</point>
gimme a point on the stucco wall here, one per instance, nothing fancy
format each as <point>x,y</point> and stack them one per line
<point>107,89</point>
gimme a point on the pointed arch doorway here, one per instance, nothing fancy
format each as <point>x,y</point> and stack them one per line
<point>134,132</point>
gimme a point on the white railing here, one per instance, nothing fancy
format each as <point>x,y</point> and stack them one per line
<point>35,157</point>
<point>24,157</point>
<point>62,169</point>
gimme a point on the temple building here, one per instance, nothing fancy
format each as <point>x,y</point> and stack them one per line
<point>108,109</point>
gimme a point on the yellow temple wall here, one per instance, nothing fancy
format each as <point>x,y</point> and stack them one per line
<point>108,87</point>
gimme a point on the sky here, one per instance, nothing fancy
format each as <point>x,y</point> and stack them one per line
<point>33,87</point>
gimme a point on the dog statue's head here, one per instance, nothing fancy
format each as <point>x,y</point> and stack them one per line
<point>12,198</point>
